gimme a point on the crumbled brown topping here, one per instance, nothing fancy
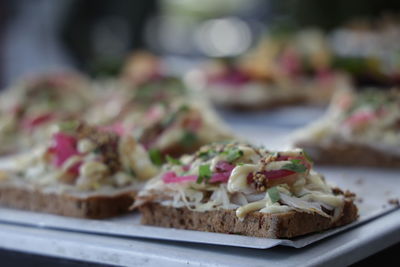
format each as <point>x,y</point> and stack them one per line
<point>106,145</point>
<point>348,194</point>
<point>337,191</point>
<point>260,182</point>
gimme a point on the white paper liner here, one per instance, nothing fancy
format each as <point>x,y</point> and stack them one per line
<point>375,187</point>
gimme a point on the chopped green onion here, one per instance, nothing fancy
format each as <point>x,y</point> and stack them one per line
<point>234,154</point>
<point>188,139</point>
<point>295,166</point>
<point>206,155</point>
<point>173,161</point>
<point>156,157</point>
<point>274,194</point>
<point>204,173</point>
<point>68,126</point>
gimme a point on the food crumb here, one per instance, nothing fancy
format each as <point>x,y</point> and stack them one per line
<point>349,194</point>
<point>394,201</point>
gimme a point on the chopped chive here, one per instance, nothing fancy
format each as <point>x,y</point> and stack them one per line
<point>67,126</point>
<point>173,161</point>
<point>188,139</point>
<point>204,173</point>
<point>234,154</point>
<point>156,157</point>
<point>295,166</point>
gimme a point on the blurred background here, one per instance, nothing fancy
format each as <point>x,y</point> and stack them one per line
<point>96,37</point>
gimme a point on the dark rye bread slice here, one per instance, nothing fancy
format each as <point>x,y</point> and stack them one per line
<point>349,154</point>
<point>278,225</point>
<point>91,206</point>
<point>268,104</point>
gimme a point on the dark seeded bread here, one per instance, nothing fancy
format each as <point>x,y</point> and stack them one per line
<point>349,155</point>
<point>270,104</point>
<point>94,206</point>
<point>279,225</point>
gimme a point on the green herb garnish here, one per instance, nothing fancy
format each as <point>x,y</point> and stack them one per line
<point>68,126</point>
<point>156,157</point>
<point>188,139</point>
<point>206,155</point>
<point>204,173</point>
<point>307,156</point>
<point>173,161</point>
<point>295,165</point>
<point>172,117</point>
<point>274,194</point>
<point>131,172</point>
<point>233,154</point>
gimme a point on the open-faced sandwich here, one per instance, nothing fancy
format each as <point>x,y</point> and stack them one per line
<point>83,171</point>
<point>180,127</point>
<point>31,106</point>
<point>240,189</point>
<point>145,75</point>
<point>359,129</point>
<point>295,69</point>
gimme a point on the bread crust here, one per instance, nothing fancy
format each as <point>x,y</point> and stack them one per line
<point>94,206</point>
<point>348,154</point>
<point>277,225</point>
<point>270,104</point>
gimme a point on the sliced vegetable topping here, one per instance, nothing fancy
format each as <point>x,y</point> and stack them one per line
<point>206,155</point>
<point>274,194</point>
<point>156,157</point>
<point>276,174</point>
<point>68,126</point>
<point>204,173</point>
<point>223,166</point>
<point>172,160</point>
<point>296,165</point>
<point>188,138</point>
<point>31,123</point>
<point>64,147</point>
<point>171,177</point>
<point>361,117</point>
<point>234,154</point>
